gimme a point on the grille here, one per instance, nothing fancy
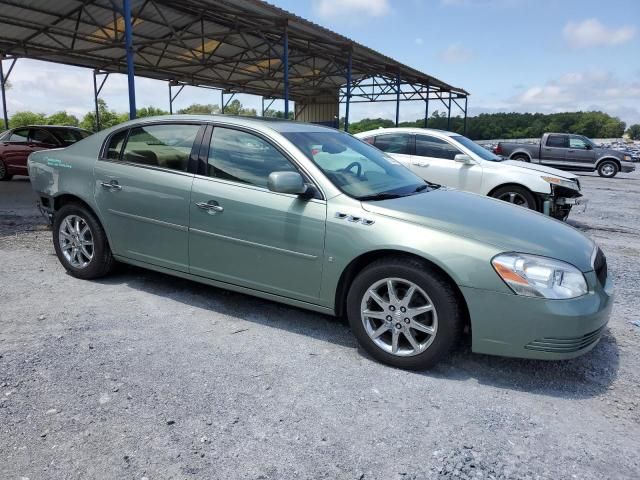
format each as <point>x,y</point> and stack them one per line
<point>600,267</point>
<point>565,345</point>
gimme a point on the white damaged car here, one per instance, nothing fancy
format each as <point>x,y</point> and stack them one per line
<point>453,160</point>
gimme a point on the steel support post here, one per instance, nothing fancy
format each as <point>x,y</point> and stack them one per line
<point>449,114</point>
<point>285,61</point>
<point>346,109</point>
<point>128,39</point>
<point>3,81</point>
<point>465,116</point>
<point>397,98</point>
<point>426,109</point>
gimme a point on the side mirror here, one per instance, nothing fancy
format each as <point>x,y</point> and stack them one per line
<point>464,159</point>
<point>286,182</point>
<point>588,147</point>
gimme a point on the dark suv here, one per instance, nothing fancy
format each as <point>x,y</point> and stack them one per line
<point>18,143</point>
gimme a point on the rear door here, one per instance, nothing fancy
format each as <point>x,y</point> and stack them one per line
<point>554,152</point>
<point>15,150</point>
<point>579,153</point>
<point>142,189</point>
<point>242,233</point>
<point>397,145</point>
<point>434,161</point>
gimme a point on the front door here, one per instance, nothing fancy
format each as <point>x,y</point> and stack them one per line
<point>580,154</point>
<point>242,233</point>
<point>434,161</point>
<point>142,189</point>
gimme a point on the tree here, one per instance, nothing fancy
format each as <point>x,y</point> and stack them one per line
<point>150,112</point>
<point>62,118</point>
<point>634,131</point>
<point>108,118</point>
<point>200,109</point>
<point>21,119</point>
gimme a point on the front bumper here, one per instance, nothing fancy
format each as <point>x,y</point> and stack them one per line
<point>516,326</point>
<point>627,167</point>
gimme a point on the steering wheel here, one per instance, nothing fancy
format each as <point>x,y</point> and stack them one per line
<point>351,165</point>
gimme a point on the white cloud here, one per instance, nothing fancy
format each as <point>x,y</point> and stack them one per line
<point>592,33</point>
<point>419,41</point>
<point>456,53</point>
<point>343,8</point>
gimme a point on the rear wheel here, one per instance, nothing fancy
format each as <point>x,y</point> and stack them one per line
<point>521,158</point>
<point>4,173</point>
<point>80,242</point>
<point>403,314</point>
<point>608,169</point>
<point>517,195</point>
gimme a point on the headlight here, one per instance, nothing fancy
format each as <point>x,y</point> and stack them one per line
<point>562,182</point>
<point>535,276</point>
<point>627,158</point>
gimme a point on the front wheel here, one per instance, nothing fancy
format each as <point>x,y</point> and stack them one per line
<point>521,158</point>
<point>80,242</point>
<point>517,195</point>
<point>404,315</point>
<point>4,173</point>
<point>608,169</point>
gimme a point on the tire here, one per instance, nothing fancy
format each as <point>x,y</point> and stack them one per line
<point>517,195</point>
<point>445,320</point>
<point>608,169</point>
<point>521,158</point>
<point>92,261</point>
<point>4,174</point>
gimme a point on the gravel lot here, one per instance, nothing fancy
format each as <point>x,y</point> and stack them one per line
<point>144,375</point>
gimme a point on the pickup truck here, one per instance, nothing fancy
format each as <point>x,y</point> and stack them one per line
<point>568,152</point>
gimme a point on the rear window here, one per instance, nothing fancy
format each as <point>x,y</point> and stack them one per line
<point>69,136</point>
<point>394,143</point>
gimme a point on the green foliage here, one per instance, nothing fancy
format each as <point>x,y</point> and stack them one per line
<point>634,131</point>
<point>199,109</point>
<point>108,118</point>
<point>487,126</point>
<point>21,119</point>
<point>276,114</point>
<point>62,118</point>
<point>150,112</point>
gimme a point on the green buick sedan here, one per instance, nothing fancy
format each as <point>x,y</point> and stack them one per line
<point>315,218</point>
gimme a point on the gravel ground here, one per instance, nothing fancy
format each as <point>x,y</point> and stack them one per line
<point>144,375</point>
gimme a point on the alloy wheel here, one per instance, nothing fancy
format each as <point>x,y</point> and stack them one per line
<point>515,198</point>
<point>76,241</point>
<point>399,317</point>
<point>608,169</point>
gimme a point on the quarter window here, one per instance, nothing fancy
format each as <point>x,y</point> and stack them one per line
<point>243,157</point>
<point>115,145</point>
<point>166,146</point>
<point>20,135</point>
<point>427,146</point>
<point>394,143</point>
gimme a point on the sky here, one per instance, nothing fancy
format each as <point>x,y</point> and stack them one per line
<point>511,55</point>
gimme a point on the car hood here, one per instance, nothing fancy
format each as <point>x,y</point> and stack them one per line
<point>491,221</point>
<point>534,167</point>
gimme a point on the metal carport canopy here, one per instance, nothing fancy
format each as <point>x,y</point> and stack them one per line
<point>244,46</point>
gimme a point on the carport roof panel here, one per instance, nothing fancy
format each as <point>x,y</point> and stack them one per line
<point>235,45</point>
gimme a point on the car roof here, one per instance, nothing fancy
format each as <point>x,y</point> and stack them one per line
<point>414,130</point>
<point>276,124</point>
<point>46,127</point>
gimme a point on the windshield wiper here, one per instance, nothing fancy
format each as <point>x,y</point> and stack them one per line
<point>380,196</point>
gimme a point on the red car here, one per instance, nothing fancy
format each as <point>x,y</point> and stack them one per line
<point>16,145</point>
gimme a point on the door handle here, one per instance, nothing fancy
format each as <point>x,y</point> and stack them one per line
<point>112,185</point>
<point>420,164</point>
<point>210,206</point>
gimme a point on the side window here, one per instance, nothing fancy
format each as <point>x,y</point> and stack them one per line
<point>577,143</point>
<point>19,135</point>
<point>394,143</point>
<point>115,145</point>
<point>166,146</point>
<point>557,141</point>
<point>243,157</point>
<point>42,136</point>
<point>427,146</point>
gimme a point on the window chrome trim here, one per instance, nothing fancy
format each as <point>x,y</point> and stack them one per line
<point>149,167</point>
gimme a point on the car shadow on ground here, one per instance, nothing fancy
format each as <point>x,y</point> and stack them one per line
<point>586,376</point>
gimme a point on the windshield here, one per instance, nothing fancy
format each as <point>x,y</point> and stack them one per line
<point>588,141</point>
<point>355,167</point>
<point>480,151</point>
